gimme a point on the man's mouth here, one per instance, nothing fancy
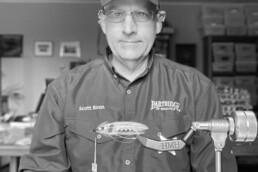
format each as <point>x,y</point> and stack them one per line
<point>130,42</point>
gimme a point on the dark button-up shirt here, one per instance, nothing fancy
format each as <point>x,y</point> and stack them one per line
<point>167,98</point>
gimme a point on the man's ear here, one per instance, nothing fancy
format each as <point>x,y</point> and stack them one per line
<point>161,15</point>
<point>101,21</point>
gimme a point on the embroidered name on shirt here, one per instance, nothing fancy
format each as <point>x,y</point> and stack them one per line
<point>165,105</point>
<point>94,107</point>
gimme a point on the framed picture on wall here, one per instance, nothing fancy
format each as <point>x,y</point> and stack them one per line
<point>43,48</point>
<point>11,45</point>
<point>70,49</point>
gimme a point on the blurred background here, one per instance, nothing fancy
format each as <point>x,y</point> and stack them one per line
<point>41,39</point>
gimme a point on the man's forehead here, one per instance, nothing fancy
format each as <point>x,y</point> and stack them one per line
<point>155,2</point>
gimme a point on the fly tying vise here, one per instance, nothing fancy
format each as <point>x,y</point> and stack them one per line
<point>121,129</point>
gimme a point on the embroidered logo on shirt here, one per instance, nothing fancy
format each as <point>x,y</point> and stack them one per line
<point>165,105</point>
<point>94,107</point>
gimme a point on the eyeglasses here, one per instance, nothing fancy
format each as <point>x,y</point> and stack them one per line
<point>116,16</point>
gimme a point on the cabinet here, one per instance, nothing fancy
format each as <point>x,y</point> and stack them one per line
<point>235,64</point>
<point>234,74</point>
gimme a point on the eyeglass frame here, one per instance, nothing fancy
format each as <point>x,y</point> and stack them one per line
<point>159,14</point>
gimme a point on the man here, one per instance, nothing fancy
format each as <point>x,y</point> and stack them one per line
<point>131,84</point>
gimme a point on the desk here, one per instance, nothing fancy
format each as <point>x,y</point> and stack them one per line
<point>14,152</point>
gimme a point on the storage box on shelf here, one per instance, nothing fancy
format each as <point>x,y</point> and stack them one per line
<point>246,66</point>
<point>212,20</point>
<point>236,30</point>
<point>251,13</point>
<point>235,20</point>
<point>234,10</point>
<point>246,57</point>
<point>224,81</point>
<point>212,10</point>
<point>213,30</point>
<point>224,57</point>
<point>251,10</point>
<point>245,48</point>
<point>245,80</point>
<point>252,20</point>
<point>223,47</point>
<point>222,67</point>
<point>227,57</point>
<point>252,30</point>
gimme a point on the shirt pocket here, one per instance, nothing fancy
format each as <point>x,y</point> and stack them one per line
<point>83,129</point>
<point>169,128</point>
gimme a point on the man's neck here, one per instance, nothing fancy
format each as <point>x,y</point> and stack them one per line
<point>130,69</point>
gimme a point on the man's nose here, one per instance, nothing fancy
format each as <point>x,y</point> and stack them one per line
<point>129,25</point>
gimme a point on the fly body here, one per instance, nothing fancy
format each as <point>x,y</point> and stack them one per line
<point>121,129</point>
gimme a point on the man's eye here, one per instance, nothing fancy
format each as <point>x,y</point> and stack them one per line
<point>141,14</point>
<point>117,14</point>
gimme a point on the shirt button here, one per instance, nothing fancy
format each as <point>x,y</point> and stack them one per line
<point>98,136</point>
<point>127,162</point>
<point>115,76</point>
<point>129,91</point>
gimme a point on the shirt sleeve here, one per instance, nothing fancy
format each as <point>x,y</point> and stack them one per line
<point>47,150</point>
<point>202,151</point>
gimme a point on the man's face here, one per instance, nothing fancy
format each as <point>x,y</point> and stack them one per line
<point>130,40</point>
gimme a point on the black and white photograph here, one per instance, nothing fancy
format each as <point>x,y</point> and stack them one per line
<point>70,49</point>
<point>128,85</point>
<point>43,48</point>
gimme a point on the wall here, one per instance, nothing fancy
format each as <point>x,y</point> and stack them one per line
<point>59,22</point>
<point>54,22</point>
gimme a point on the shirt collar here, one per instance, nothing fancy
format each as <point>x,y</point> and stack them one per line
<point>108,63</point>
